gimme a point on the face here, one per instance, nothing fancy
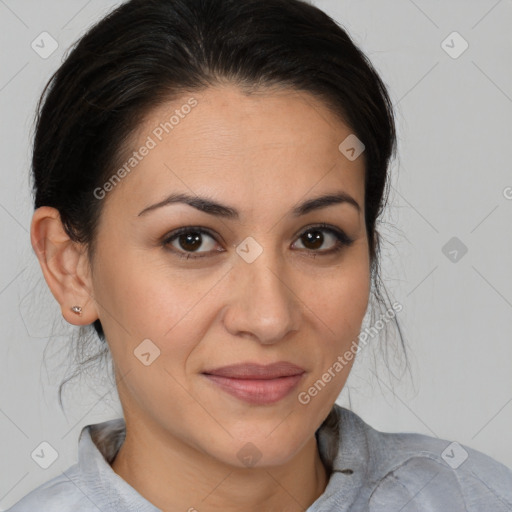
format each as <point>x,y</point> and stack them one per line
<point>262,283</point>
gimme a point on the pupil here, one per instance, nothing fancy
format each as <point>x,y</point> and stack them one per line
<point>187,241</point>
<point>314,237</point>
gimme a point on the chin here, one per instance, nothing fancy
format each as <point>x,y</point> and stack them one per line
<point>263,452</point>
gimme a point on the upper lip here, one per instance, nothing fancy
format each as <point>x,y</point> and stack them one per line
<point>257,371</point>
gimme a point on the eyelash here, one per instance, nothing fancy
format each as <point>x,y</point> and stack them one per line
<point>342,240</point>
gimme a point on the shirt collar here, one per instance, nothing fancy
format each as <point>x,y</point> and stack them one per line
<point>345,449</point>
<point>101,484</point>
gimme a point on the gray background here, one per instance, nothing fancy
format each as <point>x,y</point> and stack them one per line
<point>452,179</point>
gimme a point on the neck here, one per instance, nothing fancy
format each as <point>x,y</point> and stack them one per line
<point>173,477</point>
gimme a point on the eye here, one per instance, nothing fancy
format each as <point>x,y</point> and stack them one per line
<point>313,238</point>
<point>189,239</point>
<point>186,241</point>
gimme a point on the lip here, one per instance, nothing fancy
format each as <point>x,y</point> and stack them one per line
<point>255,383</point>
<point>257,371</point>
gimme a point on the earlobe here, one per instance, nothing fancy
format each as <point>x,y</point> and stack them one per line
<point>64,265</point>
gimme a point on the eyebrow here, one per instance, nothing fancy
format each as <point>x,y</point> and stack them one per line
<point>206,205</point>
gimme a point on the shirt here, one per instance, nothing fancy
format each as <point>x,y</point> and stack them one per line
<point>372,471</point>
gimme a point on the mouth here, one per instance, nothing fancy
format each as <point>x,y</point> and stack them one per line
<point>257,384</point>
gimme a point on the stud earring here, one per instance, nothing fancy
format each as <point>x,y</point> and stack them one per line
<point>77,310</point>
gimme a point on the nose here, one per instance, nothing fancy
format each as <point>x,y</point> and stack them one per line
<point>263,304</point>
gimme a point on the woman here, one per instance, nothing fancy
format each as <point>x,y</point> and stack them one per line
<point>208,176</point>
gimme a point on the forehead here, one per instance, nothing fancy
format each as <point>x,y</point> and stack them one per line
<point>275,145</point>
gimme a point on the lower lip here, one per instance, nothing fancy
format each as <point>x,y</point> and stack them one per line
<point>257,391</point>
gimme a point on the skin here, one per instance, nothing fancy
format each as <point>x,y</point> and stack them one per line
<point>261,154</point>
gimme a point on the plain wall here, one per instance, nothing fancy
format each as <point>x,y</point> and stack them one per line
<point>452,178</point>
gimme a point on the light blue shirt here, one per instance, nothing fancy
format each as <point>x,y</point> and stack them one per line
<point>373,471</point>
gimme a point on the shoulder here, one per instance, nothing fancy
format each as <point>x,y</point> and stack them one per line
<point>419,473</point>
<point>59,494</point>
<point>91,484</point>
<point>437,473</point>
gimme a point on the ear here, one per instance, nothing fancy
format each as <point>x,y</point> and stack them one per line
<point>65,266</point>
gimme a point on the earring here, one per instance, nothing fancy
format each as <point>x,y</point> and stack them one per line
<point>77,310</point>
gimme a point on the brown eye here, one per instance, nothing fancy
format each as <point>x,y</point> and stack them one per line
<point>186,241</point>
<point>314,238</point>
<point>190,241</point>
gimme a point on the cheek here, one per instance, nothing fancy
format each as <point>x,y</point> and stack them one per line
<point>139,298</point>
<point>152,321</point>
<point>339,304</point>
<point>342,298</point>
